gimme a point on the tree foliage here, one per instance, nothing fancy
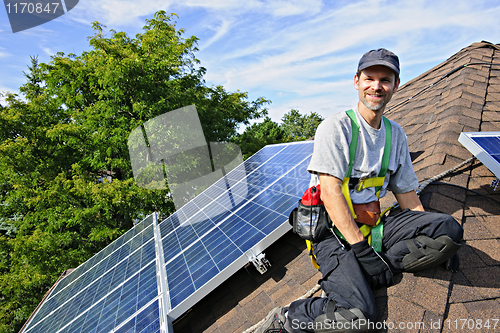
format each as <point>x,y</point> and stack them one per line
<point>258,135</point>
<point>300,127</point>
<point>66,184</point>
<point>294,126</point>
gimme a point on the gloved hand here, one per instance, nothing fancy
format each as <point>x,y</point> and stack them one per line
<point>376,270</point>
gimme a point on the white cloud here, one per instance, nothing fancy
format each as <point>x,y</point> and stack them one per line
<point>117,13</point>
<point>47,51</point>
<point>295,7</point>
<point>234,6</point>
<point>220,30</point>
<point>4,54</point>
<point>39,30</point>
<point>326,100</point>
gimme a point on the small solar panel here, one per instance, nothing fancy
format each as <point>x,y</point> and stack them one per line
<point>157,271</point>
<point>485,146</point>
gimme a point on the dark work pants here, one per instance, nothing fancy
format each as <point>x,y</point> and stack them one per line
<point>344,282</point>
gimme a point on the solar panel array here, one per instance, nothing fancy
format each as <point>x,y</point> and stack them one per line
<point>485,146</point>
<point>156,271</point>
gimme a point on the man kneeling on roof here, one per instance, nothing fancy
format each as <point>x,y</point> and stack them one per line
<point>358,155</point>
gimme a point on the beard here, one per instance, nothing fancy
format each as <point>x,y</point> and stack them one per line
<point>373,107</point>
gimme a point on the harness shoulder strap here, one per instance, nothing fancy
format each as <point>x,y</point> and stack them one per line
<point>387,153</point>
<point>352,155</point>
<point>376,233</point>
<point>354,141</point>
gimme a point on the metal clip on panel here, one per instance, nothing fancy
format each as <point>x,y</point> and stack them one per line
<point>260,262</point>
<point>495,184</point>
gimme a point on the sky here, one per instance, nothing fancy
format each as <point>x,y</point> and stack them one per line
<point>299,54</point>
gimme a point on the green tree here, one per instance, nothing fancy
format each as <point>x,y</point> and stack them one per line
<point>258,135</point>
<point>294,127</point>
<point>60,142</point>
<point>300,127</point>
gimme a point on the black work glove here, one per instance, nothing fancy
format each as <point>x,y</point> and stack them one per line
<point>376,270</point>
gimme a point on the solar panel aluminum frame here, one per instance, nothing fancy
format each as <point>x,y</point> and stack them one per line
<point>163,299</point>
<point>466,139</point>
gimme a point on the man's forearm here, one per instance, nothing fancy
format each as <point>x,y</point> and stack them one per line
<point>409,200</point>
<point>338,210</point>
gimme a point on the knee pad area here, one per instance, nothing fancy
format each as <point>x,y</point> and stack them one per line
<point>426,252</point>
<point>337,319</point>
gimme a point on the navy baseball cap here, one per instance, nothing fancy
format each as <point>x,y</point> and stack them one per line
<point>379,57</point>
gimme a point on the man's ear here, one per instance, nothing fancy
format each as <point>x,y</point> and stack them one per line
<point>356,81</point>
<point>396,85</point>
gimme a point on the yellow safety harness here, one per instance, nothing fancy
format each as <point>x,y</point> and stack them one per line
<point>373,233</point>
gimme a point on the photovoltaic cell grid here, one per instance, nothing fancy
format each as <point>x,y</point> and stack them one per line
<point>117,290</point>
<point>107,293</point>
<point>485,146</point>
<point>207,235</point>
<point>490,144</point>
<point>83,269</point>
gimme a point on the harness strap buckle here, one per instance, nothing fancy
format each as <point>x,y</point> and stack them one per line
<point>359,186</point>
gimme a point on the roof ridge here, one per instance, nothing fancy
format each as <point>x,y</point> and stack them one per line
<point>457,56</point>
<point>484,43</point>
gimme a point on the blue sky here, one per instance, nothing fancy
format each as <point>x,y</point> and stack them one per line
<point>299,54</point>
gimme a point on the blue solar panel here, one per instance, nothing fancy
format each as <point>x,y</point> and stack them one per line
<point>490,144</point>
<point>83,269</point>
<point>147,321</point>
<point>485,146</point>
<point>155,272</point>
<point>91,290</point>
<point>207,235</point>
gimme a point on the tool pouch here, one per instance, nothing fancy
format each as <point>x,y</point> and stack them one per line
<point>310,221</point>
<point>368,213</point>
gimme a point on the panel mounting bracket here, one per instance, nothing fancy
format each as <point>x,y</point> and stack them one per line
<point>260,262</point>
<point>495,184</point>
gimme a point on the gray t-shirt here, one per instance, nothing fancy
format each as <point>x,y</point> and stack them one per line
<point>331,155</point>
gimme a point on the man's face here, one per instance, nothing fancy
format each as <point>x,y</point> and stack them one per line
<point>375,86</point>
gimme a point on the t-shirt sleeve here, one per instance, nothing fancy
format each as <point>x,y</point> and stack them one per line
<point>330,155</point>
<point>404,179</point>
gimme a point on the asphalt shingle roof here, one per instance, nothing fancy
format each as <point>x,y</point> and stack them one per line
<point>467,100</point>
